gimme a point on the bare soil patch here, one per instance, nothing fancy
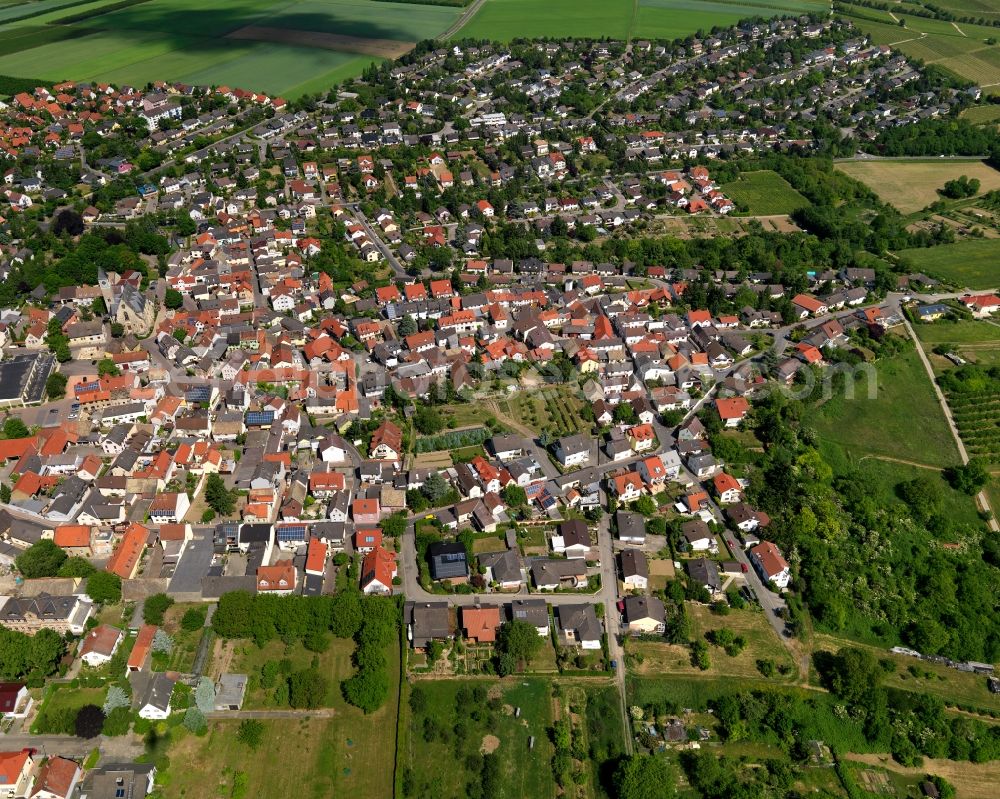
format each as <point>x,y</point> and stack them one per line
<point>490,744</point>
<point>380,48</point>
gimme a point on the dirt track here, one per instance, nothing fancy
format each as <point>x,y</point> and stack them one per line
<point>381,48</point>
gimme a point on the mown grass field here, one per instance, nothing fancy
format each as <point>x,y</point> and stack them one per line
<point>885,424</point>
<point>982,114</point>
<point>912,185</point>
<point>764,193</point>
<point>973,263</point>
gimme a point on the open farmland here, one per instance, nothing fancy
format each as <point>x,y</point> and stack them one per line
<point>619,19</point>
<point>911,185</point>
<point>959,48</point>
<point>303,48</point>
<point>969,264</point>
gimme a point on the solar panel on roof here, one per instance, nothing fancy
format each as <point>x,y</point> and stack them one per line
<point>198,394</point>
<point>292,532</point>
<point>260,417</point>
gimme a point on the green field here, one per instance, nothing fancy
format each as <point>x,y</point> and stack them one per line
<point>981,114</point>
<point>448,735</point>
<point>339,751</point>
<point>620,19</point>
<point>959,48</point>
<point>969,264</point>
<point>885,425</point>
<point>183,40</point>
<point>339,756</point>
<point>764,193</point>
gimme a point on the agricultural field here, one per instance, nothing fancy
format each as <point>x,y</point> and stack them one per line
<point>969,264</point>
<point>883,425</point>
<point>303,48</point>
<point>982,114</point>
<point>764,193</point>
<point>959,48</point>
<point>976,418</point>
<point>911,185</point>
<point>460,723</point>
<point>620,19</point>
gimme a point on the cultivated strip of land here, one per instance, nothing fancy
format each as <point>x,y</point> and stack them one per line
<point>380,48</point>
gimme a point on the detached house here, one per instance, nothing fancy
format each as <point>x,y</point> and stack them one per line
<point>771,564</point>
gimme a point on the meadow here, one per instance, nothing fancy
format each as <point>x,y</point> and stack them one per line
<point>445,725</point>
<point>339,750</point>
<point>761,644</point>
<point>764,193</point>
<point>960,48</point>
<point>970,264</point>
<point>884,426</point>
<point>911,185</point>
<point>333,756</point>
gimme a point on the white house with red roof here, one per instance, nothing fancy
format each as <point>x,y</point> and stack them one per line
<point>771,564</point>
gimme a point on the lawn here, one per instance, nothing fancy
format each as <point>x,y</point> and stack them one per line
<point>449,730</point>
<point>911,185</point>
<point>61,698</point>
<point>764,193</point>
<point>885,424</point>
<point>970,264</point>
<point>762,644</point>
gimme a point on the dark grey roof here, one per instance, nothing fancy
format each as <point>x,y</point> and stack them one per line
<point>581,620</point>
<point>447,560</point>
